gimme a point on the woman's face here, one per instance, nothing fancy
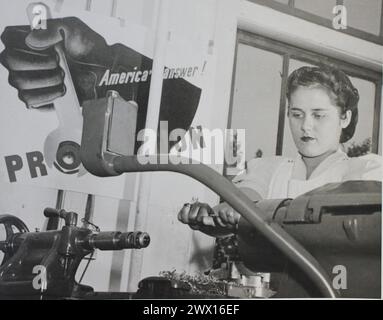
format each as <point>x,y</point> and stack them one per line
<point>315,121</point>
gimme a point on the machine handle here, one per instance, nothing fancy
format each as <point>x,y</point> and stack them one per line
<point>70,218</point>
<point>52,213</point>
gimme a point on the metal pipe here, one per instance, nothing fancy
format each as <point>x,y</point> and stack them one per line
<point>240,202</point>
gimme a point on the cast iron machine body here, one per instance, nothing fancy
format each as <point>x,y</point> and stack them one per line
<point>44,264</point>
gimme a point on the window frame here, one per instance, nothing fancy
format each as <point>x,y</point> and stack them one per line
<point>291,10</point>
<point>287,52</point>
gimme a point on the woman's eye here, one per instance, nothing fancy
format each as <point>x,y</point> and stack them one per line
<point>297,115</point>
<point>319,115</point>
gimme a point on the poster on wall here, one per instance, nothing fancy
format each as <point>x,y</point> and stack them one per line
<point>52,62</point>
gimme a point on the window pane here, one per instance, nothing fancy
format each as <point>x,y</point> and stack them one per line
<point>366,104</point>
<point>289,149</point>
<point>321,8</point>
<point>364,15</point>
<point>256,98</point>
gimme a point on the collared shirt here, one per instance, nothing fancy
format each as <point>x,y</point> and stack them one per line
<point>280,177</point>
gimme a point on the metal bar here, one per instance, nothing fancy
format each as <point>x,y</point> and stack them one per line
<point>89,210</point>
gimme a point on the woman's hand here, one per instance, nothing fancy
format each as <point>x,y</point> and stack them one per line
<point>222,220</point>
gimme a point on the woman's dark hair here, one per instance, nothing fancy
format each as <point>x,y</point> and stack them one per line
<point>339,86</point>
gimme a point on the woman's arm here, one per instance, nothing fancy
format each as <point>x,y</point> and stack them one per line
<point>251,193</point>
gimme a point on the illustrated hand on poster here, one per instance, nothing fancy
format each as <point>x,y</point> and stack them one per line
<point>33,63</point>
<point>95,68</point>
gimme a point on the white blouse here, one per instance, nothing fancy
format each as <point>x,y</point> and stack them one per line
<point>280,177</point>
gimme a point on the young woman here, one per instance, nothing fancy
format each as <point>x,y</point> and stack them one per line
<point>323,113</point>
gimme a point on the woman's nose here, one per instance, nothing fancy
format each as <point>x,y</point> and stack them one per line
<point>307,123</point>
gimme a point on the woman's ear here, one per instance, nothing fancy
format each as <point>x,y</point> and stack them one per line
<point>345,119</point>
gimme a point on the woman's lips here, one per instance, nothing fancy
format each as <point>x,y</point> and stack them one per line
<point>307,139</point>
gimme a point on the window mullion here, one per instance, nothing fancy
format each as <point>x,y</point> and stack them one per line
<point>376,121</point>
<point>282,105</point>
